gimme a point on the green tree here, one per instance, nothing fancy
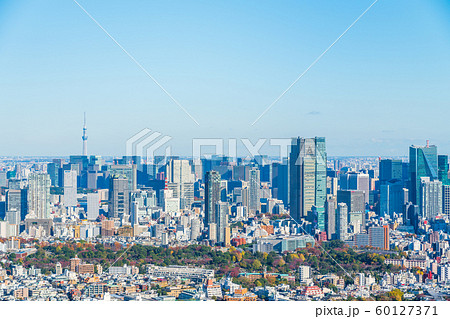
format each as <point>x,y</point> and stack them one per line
<point>256,264</point>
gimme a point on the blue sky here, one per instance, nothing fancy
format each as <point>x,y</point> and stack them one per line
<point>382,87</point>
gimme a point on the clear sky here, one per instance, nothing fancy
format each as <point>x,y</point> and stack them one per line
<point>384,86</point>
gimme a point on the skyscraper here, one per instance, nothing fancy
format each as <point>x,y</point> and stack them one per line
<point>195,228</point>
<point>390,169</point>
<point>118,197</point>
<point>212,195</point>
<point>254,203</point>
<point>330,216</point>
<point>93,203</point>
<point>53,170</point>
<point>280,182</point>
<point>16,199</point>
<point>446,200</point>
<point>392,198</point>
<point>70,188</point>
<point>222,221</point>
<point>181,181</point>
<point>423,162</point>
<point>308,184</point>
<point>430,197</point>
<point>39,195</point>
<point>341,221</point>
<point>443,169</point>
<point>128,171</point>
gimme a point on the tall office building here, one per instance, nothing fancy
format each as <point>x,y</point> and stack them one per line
<point>307,170</point>
<point>254,199</point>
<point>118,197</point>
<point>423,162</point>
<point>341,221</point>
<point>446,200</point>
<point>392,198</point>
<point>430,198</point>
<point>330,216</point>
<point>195,228</point>
<point>128,171</point>
<point>39,195</point>
<point>53,170</point>
<point>212,195</point>
<point>222,221</point>
<point>390,169</point>
<point>70,188</point>
<point>332,186</point>
<point>443,168</point>
<point>280,182</point>
<point>319,217</point>
<point>181,181</point>
<point>16,199</point>
<point>93,205</point>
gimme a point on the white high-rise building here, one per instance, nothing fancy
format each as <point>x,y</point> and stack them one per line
<point>39,195</point>
<point>181,180</point>
<point>430,197</point>
<point>93,204</point>
<point>70,188</point>
<point>304,273</point>
<point>341,221</point>
<point>195,228</point>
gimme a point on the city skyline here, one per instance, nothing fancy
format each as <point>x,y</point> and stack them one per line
<point>385,73</point>
<point>225,151</point>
